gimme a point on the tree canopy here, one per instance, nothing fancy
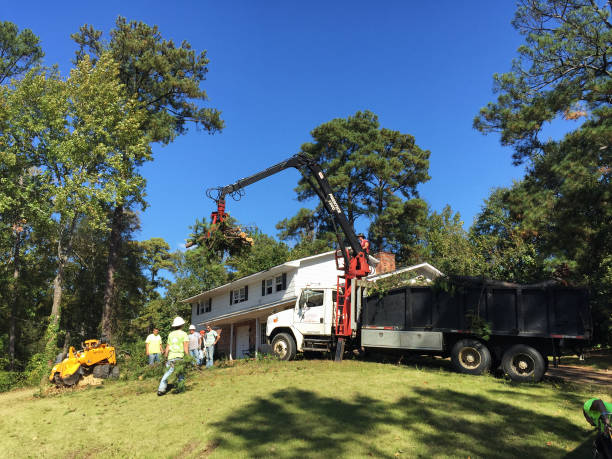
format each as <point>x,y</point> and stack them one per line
<point>558,219</point>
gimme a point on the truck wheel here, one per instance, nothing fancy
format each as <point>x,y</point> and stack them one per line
<point>101,371</point>
<point>471,357</point>
<point>523,363</point>
<point>283,346</point>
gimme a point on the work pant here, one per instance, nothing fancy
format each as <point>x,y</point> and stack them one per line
<point>163,384</point>
<point>195,354</point>
<point>154,358</point>
<point>210,350</point>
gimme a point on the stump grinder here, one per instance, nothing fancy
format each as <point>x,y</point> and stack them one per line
<point>96,358</point>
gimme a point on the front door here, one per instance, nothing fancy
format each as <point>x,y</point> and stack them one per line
<point>242,341</point>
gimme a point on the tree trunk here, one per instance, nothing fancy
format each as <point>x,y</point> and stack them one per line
<point>111,267</point>
<point>14,300</point>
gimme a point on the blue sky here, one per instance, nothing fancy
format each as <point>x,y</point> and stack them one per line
<point>278,69</point>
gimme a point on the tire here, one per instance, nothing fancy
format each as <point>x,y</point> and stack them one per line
<point>283,346</point>
<point>114,372</point>
<point>101,371</point>
<point>471,357</point>
<point>523,363</point>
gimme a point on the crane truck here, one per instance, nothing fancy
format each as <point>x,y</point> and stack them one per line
<point>481,325</point>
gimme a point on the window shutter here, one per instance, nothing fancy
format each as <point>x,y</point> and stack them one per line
<point>263,288</point>
<point>284,281</point>
<point>246,293</point>
<point>231,296</point>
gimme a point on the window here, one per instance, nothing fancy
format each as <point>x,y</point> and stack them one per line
<point>262,335</point>
<point>311,298</point>
<point>239,295</point>
<point>204,306</point>
<point>274,284</point>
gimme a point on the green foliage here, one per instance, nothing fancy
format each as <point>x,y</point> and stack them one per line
<point>10,380</point>
<point>164,78</point>
<point>369,168</point>
<point>19,51</point>
<point>479,326</point>
<point>445,244</point>
<point>265,253</point>
<point>562,70</point>
<point>557,220</point>
<point>133,362</point>
<point>382,286</point>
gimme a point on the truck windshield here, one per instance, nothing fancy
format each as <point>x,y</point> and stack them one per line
<point>310,298</point>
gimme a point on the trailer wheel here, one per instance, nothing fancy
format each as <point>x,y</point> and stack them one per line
<point>283,346</point>
<point>523,363</point>
<point>470,356</point>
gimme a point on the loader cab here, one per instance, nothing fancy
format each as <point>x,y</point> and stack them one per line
<point>312,313</point>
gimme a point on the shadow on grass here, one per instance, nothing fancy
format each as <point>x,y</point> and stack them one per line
<point>296,422</point>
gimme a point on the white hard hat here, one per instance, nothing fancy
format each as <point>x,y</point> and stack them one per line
<point>192,327</point>
<point>178,321</point>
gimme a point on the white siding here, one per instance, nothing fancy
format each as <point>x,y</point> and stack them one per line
<point>221,305</point>
<point>318,271</point>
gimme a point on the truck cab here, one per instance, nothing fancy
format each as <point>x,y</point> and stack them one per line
<point>307,326</point>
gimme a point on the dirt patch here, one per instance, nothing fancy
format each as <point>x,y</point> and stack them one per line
<point>189,448</point>
<point>208,450</point>
<point>581,375</point>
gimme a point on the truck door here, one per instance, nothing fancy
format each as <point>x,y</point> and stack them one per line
<point>309,312</point>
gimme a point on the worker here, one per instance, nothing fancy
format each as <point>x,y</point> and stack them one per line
<point>153,345</point>
<point>211,338</point>
<point>176,347</point>
<point>365,244</point>
<point>202,349</point>
<point>598,414</point>
<point>194,343</point>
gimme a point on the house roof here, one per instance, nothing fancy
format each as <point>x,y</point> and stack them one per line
<point>423,269</point>
<point>248,313</point>
<point>257,276</point>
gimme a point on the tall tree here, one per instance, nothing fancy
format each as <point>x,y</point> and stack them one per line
<point>19,52</point>
<point>165,79</point>
<point>367,166</point>
<point>563,75</point>
<point>78,131</point>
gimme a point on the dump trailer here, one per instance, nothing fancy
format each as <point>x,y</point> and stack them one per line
<point>481,327</point>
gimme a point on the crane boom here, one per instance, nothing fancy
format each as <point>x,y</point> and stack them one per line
<point>355,264</point>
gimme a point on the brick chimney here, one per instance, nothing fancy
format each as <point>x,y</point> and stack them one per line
<point>387,262</point>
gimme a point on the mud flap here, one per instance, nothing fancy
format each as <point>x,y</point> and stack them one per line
<point>339,350</point>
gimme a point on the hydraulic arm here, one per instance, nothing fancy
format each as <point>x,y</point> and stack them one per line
<point>355,263</point>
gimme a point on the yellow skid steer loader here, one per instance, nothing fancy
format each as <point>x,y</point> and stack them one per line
<point>95,358</point>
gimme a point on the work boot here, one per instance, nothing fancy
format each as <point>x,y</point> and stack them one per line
<point>160,393</point>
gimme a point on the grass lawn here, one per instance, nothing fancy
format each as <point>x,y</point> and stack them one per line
<point>307,408</point>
